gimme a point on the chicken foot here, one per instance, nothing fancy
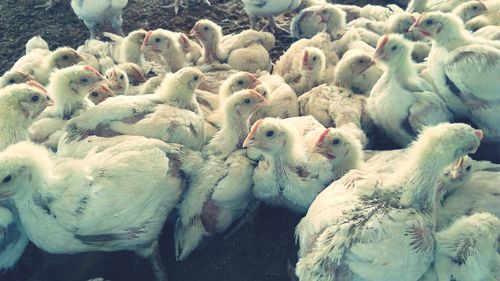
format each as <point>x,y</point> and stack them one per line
<point>178,3</point>
<point>47,5</point>
<point>273,26</point>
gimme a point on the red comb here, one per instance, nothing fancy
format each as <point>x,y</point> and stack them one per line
<point>323,135</point>
<point>255,126</point>
<point>139,72</point>
<point>419,19</point>
<point>382,42</point>
<point>37,85</point>
<point>184,40</point>
<point>93,70</point>
<point>146,39</point>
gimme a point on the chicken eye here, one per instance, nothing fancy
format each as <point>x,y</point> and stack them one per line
<point>121,77</point>
<point>270,134</point>
<point>429,22</point>
<point>336,141</point>
<point>264,93</point>
<point>35,98</point>
<point>94,94</point>
<point>361,61</point>
<point>240,82</point>
<point>7,179</point>
<point>84,80</point>
<point>468,168</point>
<point>247,100</point>
<point>474,8</point>
<point>314,58</point>
<point>157,40</point>
<point>394,48</point>
<point>205,28</point>
<point>65,57</point>
<point>12,81</point>
<point>196,77</point>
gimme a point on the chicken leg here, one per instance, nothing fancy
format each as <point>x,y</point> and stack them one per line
<point>116,22</point>
<point>159,271</point>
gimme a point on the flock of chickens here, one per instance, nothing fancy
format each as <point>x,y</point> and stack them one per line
<point>103,143</point>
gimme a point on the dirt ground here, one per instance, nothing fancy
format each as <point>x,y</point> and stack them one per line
<point>257,252</point>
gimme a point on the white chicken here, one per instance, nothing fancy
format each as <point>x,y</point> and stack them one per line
<point>357,72</point>
<point>21,104</point>
<point>69,87</point>
<point>93,12</point>
<point>100,94</point>
<point>284,175</point>
<point>470,9</point>
<point>219,48</point>
<point>367,219</point>
<point>323,18</point>
<point>172,114</point>
<point>335,106</point>
<point>128,48</point>
<point>75,200</point>
<point>221,191</point>
<point>468,92</point>
<point>41,62</point>
<point>283,101</point>
<point>268,9</point>
<point>467,250</point>
<point>403,93</point>
<point>323,65</point>
<point>14,77</point>
<point>165,44</point>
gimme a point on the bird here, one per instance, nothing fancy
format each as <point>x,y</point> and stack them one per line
<point>357,72</point>
<point>66,195</point>
<point>352,220</point>
<point>94,12</point>
<point>402,92</point>
<point>341,147</point>
<point>69,88</point>
<point>470,94</point>
<point>165,44</point>
<point>320,18</point>
<point>283,101</point>
<point>118,82</point>
<point>128,48</point>
<point>100,94</point>
<point>21,104</point>
<point>467,250</point>
<point>290,68</point>
<point>171,114</point>
<point>335,106</point>
<point>40,63</point>
<point>469,10</point>
<point>219,48</point>
<point>284,176</point>
<point>221,191</point>
<point>14,77</point>
<point>268,9</point>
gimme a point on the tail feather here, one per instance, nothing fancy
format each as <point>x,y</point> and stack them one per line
<point>187,238</point>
